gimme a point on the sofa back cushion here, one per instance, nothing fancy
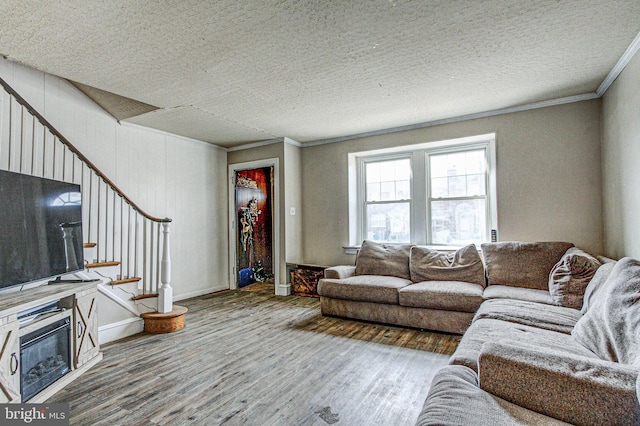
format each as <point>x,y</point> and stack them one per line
<point>464,264</point>
<point>520,264</point>
<point>611,324</point>
<point>383,259</point>
<point>570,276</point>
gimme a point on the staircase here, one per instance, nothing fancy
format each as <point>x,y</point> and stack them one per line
<point>125,246</point>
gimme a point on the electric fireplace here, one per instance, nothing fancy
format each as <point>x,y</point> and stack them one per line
<point>44,357</point>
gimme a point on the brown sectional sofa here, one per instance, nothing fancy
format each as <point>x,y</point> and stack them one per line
<point>417,287</point>
<point>554,339</point>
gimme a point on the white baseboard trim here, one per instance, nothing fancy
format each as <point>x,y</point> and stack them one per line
<point>199,293</point>
<point>119,330</point>
<point>283,290</point>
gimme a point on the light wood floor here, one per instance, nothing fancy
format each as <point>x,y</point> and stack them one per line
<point>252,358</point>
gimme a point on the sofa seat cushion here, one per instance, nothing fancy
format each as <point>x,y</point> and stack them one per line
<point>484,330</point>
<point>518,293</point>
<point>522,264</point>
<point>455,399</point>
<point>445,295</point>
<point>364,288</point>
<point>548,317</point>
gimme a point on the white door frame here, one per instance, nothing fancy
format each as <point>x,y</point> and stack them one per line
<point>233,168</point>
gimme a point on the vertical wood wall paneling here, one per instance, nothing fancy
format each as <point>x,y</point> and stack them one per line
<point>4,128</point>
<point>186,182</point>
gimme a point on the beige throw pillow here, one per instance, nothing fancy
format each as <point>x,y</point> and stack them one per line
<point>432,265</point>
<point>570,276</point>
<point>383,259</point>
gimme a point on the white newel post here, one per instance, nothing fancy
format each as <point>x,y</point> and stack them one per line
<point>165,293</point>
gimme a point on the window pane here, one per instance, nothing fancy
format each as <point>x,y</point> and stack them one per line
<point>373,172</point>
<point>373,192</point>
<point>387,191</point>
<point>457,186</point>
<point>458,222</point>
<point>456,164</point>
<point>389,222</point>
<point>387,171</point>
<point>439,187</point>
<point>403,190</point>
<point>403,169</point>
<point>438,166</point>
<point>475,185</point>
<point>475,162</point>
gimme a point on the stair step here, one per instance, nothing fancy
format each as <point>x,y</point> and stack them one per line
<point>144,296</point>
<point>89,245</point>
<point>102,264</point>
<point>125,281</point>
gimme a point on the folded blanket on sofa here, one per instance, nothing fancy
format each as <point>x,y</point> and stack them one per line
<point>610,327</point>
<point>548,317</point>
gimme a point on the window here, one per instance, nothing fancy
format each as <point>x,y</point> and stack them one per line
<point>439,193</point>
<point>67,198</point>
<point>388,200</point>
<point>458,197</point>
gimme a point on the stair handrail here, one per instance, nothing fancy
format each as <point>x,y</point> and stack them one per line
<point>165,291</point>
<point>77,152</point>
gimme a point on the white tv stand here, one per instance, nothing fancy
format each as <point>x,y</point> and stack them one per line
<point>79,301</point>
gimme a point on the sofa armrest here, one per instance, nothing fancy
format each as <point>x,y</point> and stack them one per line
<point>339,272</point>
<point>569,387</point>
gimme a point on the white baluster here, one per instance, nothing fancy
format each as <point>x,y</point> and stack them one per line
<point>165,293</point>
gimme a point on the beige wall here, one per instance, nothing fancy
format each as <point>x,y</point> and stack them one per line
<point>293,199</point>
<point>621,163</point>
<point>548,178</point>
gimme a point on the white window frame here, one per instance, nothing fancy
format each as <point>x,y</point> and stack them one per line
<point>362,188</point>
<point>420,184</point>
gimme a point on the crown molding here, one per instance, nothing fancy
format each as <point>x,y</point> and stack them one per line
<point>264,143</point>
<point>292,142</point>
<point>466,117</point>
<point>255,144</point>
<point>624,60</point>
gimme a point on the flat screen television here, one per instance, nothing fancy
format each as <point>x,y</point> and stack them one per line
<point>40,229</point>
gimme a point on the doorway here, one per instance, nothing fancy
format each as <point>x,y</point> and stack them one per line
<point>253,223</point>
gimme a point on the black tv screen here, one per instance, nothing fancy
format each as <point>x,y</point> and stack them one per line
<point>40,229</point>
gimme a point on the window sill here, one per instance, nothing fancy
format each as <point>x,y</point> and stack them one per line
<point>353,250</point>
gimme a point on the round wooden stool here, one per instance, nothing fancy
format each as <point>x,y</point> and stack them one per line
<point>156,323</point>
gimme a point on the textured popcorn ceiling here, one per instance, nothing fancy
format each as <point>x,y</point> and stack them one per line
<point>238,71</point>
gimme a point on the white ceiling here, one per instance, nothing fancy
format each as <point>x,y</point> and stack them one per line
<point>238,71</point>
